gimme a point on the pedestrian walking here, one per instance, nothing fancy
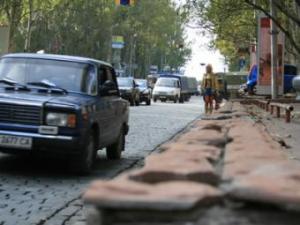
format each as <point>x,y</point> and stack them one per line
<point>210,87</point>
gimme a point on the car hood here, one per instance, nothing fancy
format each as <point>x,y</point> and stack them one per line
<point>142,89</point>
<point>69,100</point>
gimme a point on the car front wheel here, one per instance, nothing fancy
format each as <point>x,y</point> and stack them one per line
<point>175,99</point>
<point>114,151</point>
<point>137,101</point>
<point>83,163</point>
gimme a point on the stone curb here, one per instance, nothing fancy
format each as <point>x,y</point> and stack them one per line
<point>186,174</point>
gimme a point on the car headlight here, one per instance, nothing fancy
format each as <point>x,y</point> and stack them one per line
<point>61,119</point>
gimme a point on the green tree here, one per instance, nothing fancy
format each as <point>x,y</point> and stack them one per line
<point>153,30</point>
<point>234,24</point>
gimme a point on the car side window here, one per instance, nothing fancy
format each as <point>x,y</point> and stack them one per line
<point>101,78</point>
<point>104,74</point>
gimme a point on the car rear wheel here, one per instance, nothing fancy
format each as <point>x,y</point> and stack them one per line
<point>154,99</point>
<point>114,151</point>
<point>131,100</point>
<point>137,102</point>
<point>83,163</point>
<point>148,102</point>
<point>181,100</point>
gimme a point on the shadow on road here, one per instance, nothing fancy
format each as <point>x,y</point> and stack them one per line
<point>28,165</point>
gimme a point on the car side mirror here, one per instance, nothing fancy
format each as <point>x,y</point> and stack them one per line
<point>108,88</point>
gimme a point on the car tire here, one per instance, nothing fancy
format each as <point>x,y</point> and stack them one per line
<point>175,99</point>
<point>114,151</point>
<point>83,163</point>
<point>181,100</point>
<point>155,99</point>
<point>137,102</point>
<point>131,101</point>
<point>148,102</point>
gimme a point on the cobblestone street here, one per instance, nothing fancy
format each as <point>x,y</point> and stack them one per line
<point>43,192</point>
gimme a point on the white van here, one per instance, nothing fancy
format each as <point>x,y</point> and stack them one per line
<point>166,88</point>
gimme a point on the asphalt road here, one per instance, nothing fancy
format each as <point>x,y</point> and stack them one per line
<point>43,192</point>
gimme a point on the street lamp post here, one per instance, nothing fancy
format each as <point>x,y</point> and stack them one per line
<point>131,53</point>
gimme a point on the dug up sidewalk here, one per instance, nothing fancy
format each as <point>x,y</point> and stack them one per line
<point>224,169</point>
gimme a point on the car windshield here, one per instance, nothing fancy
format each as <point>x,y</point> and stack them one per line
<point>71,76</point>
<point>141,83</point>
<point>166,82</point>
<point>124,82</point>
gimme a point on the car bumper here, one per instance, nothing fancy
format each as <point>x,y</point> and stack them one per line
<point>144,97</point>
<point>58,144</point>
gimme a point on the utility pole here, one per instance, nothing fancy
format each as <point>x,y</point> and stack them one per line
<point>274,51</point>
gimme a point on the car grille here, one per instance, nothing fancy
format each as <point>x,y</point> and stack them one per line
<point>10,113</point>
<point>162,93</point>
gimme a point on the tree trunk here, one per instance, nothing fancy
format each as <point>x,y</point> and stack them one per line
<point>29,25</point>
<point>14,12</point>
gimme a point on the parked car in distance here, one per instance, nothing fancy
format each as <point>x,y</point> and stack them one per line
<point>290,72</point>
<point>192,85</point>
<point>166,88</point>
<point>232,82</point>
<point>183,84</point>
<point>145,90</point>
<point>129,90</point>
<point>61,105</point>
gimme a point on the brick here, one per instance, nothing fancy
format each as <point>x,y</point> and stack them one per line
<point>121,194</point>
<point>209,137</point>
<point>171,167</point>
<point>206,124</point>
<point>237,168</point>
<point>270,183</point>
<point>193,151</point>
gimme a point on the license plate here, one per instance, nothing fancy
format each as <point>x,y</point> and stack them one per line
<point>15,142</point>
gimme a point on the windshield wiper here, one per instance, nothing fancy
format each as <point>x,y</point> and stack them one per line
<point>48,85</point>
<point>13,83</point>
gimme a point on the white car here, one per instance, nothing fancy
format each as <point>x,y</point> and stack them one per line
<point>166,88</point>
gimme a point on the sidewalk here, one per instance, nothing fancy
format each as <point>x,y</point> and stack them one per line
<point>224,169</point>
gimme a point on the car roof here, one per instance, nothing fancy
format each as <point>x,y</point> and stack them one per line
<point>56,57</point>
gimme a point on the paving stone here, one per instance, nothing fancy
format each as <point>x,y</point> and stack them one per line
<point>69,210</point>
<point>241,168</point>
<point>206,124</point>
<point>171,166</point>
<point>217,117</point>
<point>270,183</point>
<point>209,137</point>
<point>250,147</point>
<point>120,194</point>
<point>192,151</point>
